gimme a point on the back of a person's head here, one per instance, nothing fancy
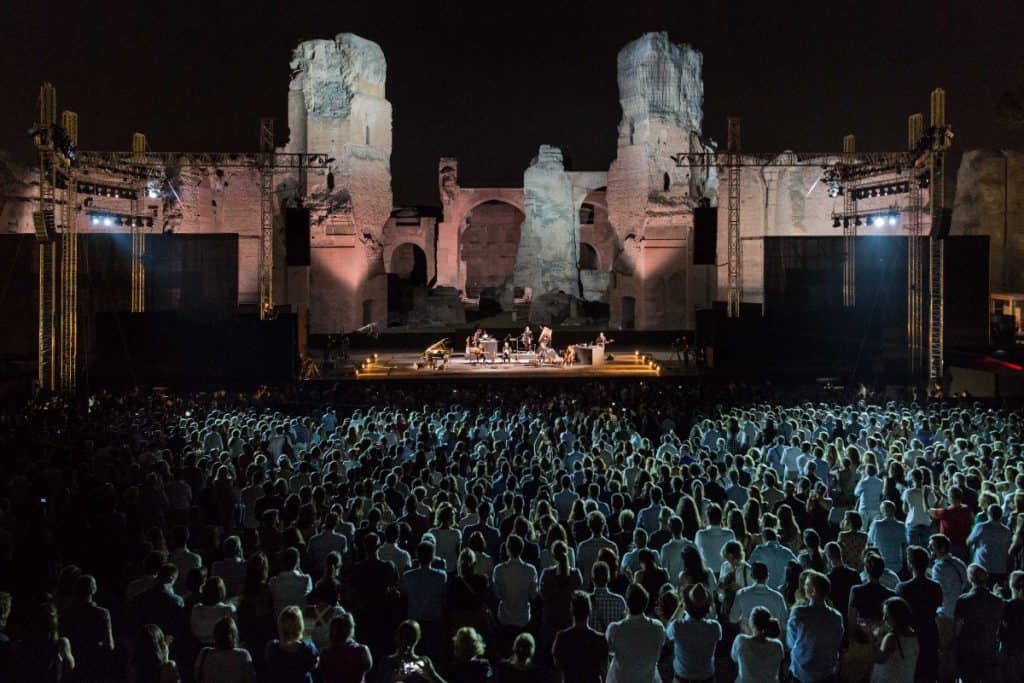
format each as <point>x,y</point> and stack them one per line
<point>874,565</point>
<point>637,599</point>
<point>523,647</point>
<point>697,601</point>
<point>85,587</point>
<point>977,575</point>
<point>290,558</point>
<point>595,522</point>
<point>580,605</point>
<point>408,634</point>
<point>425,554</point>
<point>290,624</point>
<point>213,591</point>
<point>918,559</point>
<point>759,570</point>
<point>763,623</point>
<point>714,514</point>
<point>168,573</point>
<point>514,545</point>
<point>342,628</point>
<point>225,633</point>
<point>600,573</point>
<point>467,644</point>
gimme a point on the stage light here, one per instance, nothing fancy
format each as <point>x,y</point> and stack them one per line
<point>152,193</point>
<point>892,219</point>
<point>107,221</point>
<point>95,220</point>
<point>879,221</point>
<point>834,190</point>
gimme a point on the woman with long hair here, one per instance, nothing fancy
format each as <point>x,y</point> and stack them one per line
<point>151,658</point>
<point>255,607</point>
<point>694,572</point>
<point>344,660</point>
<point>520,667</point>
<point>651,575</point>
<point>405,662</point>
<point>556,588</point>
<point>897,650</point>
<point>448,537</point>
<point>789,531</point>
<point>759,655</point>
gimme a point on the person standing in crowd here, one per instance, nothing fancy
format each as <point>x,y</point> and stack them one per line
<point>224,661</point>
<point>291,658</point>
<point>814,633</point>
<point>924,596</point>
<point>635,642</point>
<point>978,616</point>
<point>760,654</point>
<point>515,586</point>
<point>990,543</point>
<point>898,648</point>
<point>579,652</point>
<point>694,636</point>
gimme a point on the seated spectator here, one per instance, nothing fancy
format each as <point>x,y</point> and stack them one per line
<point>289,657</point>
<point>759,655</point>
<point>224,662</point>
<point>344,660</point>
<point>212,608</point>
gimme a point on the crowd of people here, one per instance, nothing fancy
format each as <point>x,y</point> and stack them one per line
<point>630,532</point>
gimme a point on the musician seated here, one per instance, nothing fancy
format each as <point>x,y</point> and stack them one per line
<point>570,356</point>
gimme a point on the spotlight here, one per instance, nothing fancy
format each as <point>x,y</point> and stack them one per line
<point>95,220</point>
<point>834,190</point>
<point>879,221</point>
<point>107,221</point>
<point>892,219</point>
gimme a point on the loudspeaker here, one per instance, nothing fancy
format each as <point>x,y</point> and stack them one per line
<point>296,236</point>
<point>705,235</point>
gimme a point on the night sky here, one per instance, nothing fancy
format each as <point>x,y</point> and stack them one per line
<point>488,83</point>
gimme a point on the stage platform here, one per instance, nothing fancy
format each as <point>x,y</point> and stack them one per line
<point>405,364</point>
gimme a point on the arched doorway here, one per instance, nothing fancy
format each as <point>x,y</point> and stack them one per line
<point>487,248</point>
<point>628,313</point>
<point>589,260</point>
<point>407,272</point>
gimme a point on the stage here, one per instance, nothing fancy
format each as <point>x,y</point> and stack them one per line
<point>406,364</point>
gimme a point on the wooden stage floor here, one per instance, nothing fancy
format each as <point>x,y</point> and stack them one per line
<point>404,364</point>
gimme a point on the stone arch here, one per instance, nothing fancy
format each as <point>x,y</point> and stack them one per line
<point>408,261</point>
<point>488,246</point>
<point>590,259</point>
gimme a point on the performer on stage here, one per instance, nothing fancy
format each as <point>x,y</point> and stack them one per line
<point>570,355</point>
<point>506,352</point>
<point>526,338</point>
<point>600,341</point>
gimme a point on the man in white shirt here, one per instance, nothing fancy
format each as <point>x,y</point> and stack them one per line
<point>291,586</point>
<point>586,554</point>
<point>515,585</point>
<point>758,595</point>
<point>635,642</point>
<point>328,540</point>
<point>182,558</point>
<point>672,552</point>
<point>869,494</point>
<point>712,539</point>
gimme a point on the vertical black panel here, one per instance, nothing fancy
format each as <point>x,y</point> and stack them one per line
<point>705,235</point>
<point>296,236</point>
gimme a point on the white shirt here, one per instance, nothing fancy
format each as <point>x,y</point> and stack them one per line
<point>389,552</point>
<point>869,497</point>
<point>290,588</point>
<point>204,617</point>
<point>635,645</point>
<point>759,660</point>
<point>759,595</point>
<point>323,543</point>
<point>672,555</point>
<point>710,542</point>
<point>515,585</point>
<point>917,510</point>
<point>447,547</point>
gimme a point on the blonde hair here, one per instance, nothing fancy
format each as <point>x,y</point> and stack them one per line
<point>290,624</point>
<point>468,643</point>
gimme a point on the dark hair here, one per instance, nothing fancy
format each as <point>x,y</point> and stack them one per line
<point>580,604</point>
<point>637,598</point>
<point>213,591</point>
<point>225,634</point>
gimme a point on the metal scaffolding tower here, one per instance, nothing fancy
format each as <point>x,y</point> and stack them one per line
<point>915,268</point>
<point>266,265</point>
<point>45,225</point>
<point>940,140</point>
<point>69,268</point>
<point>735,250</point>
<point>849,229</point>
<point>138,231</point>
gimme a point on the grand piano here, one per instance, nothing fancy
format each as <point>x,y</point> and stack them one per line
<point>436,355</point>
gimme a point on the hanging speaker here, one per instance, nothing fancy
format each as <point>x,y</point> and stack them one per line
<point>296,236</point>
<point>705,235</point>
